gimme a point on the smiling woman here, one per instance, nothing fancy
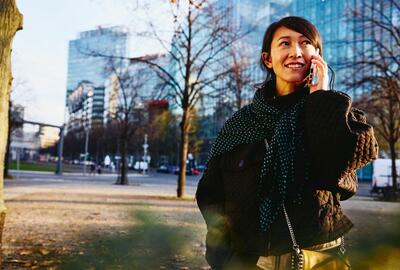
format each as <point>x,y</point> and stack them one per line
<point>280,166</point>
<point>288,53</point>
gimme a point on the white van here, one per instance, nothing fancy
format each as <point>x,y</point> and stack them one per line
<point>141,165</point>
<point>382,174</point>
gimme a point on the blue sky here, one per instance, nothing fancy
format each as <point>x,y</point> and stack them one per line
<point>40,50</point>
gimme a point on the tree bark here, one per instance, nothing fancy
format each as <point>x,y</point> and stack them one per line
<point>123,178</point>
<point>393,195</point>
<point>185,126</point>
<point>10,23</point>
<point>7,155</point>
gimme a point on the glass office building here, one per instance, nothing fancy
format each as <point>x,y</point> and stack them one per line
<point>346,39</point>
<point>86,64</point>
<point>329,17</point>
<point>251,18</point>
<point>248,18</point>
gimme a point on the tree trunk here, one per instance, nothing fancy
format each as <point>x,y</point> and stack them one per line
<point>123,177</point>
<point>6,158</point>
<point>185,125</point>
<point>239,100</point>
<point>10,23</point>
<point>393,195</point>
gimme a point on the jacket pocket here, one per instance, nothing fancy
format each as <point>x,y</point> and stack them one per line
<point>241,180</point>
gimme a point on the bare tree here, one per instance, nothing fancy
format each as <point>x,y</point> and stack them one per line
<point>163,139</point>
<point>375,66</point>
<point>15,116</point>
<point>15,121</point>
<point>239,79</point>
<point>10,23</point>
<point>126,108</point>
<point>201,34</point>
<point>382,106</point>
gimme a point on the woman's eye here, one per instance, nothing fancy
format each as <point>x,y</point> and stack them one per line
<point>284,43</point>
<point>306,42</point>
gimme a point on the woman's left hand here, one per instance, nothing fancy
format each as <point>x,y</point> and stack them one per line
<point>322,71</point>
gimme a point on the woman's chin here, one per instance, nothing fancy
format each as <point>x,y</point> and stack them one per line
<point>298,82</point>
<point>296,79</point>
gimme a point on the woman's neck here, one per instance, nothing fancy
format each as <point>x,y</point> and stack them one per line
<point>283,88</point>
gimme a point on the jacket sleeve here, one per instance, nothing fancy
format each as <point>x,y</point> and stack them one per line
<point>339,141</point>
<point>210,199</point>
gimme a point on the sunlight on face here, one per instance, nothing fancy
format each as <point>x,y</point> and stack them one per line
<point>290,58</point>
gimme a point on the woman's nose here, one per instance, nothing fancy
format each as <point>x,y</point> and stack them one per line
<point>295,51</point>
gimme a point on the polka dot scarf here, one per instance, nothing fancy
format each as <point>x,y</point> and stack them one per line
<point>284,169</point>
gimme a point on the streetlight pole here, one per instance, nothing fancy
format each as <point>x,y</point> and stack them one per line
<point>145,158</point>
<point>87,129</point>
<point>86,150</point>
<point>60,151</point>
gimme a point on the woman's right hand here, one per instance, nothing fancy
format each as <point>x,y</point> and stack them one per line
<point>322,72</point>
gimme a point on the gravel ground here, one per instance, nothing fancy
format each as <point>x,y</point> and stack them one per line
<point>53,226</point>
<point>72,226</point>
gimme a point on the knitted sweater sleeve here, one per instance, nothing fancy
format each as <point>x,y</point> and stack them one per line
<point>339,141</point>
<point>210,199</point>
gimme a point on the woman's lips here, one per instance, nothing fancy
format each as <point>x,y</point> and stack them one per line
<point>295,66</point>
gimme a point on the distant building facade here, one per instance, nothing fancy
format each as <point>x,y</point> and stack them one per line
<point>133,85</point>
<point>340,33</point>
<point>24,145</point>
<point>242,16</point>
<point>87,62</point>
<point>82,110</point>
<point>330,19</point>
<point>156,107</point>
<point>346,38</point>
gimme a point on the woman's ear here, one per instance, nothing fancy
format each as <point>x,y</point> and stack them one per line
<point>266,59</point>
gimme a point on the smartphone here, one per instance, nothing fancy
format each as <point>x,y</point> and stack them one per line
<point>313,75</point>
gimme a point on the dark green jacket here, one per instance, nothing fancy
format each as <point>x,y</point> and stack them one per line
<point>339,141</point>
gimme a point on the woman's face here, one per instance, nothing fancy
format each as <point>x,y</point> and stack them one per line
<point>290,57</point>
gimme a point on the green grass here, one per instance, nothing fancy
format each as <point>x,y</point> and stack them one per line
<point>43,166</point>
<point>30,166</point>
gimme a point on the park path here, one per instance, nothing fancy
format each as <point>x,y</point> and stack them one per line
<point>66,225</point>
<point>97,225</point>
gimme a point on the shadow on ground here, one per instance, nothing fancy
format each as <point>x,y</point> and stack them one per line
<point>151,244</point>
<point>376,247</point>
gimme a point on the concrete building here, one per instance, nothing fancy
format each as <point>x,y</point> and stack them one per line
<point>81,107</point>
<point>24,145</point>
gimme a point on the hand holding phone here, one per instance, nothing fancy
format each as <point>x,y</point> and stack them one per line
<point>313,75</point>
<point>318,78</point>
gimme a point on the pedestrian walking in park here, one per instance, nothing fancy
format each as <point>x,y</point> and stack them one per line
<point>92,169</point>
<point>98,168</point>
<point>281,165</point>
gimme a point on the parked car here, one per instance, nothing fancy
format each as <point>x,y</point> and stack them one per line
<point>172,168</point>
<point>382,175</point>
<point>163,169</point>
<point>192,171</point>
<point>201,168</point>
<point>140,165</point>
